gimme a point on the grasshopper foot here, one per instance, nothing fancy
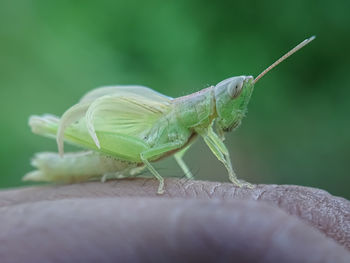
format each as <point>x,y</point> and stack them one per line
<point>161,186</point>
<point>241,183</point>
<point>160,190</point>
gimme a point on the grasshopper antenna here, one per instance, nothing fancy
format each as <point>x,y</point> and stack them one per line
<point>284,57</point>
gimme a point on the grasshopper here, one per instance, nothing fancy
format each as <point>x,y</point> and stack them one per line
<point>125,128</point>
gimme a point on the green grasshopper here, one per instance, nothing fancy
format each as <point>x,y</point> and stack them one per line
<point>125,128</point>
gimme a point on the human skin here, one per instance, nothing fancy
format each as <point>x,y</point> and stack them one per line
<point>126,221</point>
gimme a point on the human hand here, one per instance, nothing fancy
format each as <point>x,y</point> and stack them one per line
<point>126,221</point>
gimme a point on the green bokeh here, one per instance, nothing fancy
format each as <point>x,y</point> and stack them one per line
<point>297,130</point>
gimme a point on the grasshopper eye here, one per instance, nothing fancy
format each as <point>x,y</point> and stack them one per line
<point>235,88</point>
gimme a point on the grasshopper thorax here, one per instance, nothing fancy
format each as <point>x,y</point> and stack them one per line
<point>232,96</point>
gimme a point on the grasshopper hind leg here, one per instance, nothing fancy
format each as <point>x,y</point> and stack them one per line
<point>76,167</point>
<point>129,172</point>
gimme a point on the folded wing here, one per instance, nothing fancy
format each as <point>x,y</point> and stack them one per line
<point>125,90</point>
<point>127,110</point>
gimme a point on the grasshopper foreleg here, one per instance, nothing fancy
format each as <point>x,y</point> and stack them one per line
<point>220,151</point>
<point>178,157</point>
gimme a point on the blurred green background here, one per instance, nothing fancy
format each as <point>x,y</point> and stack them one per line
<point>297,130</point>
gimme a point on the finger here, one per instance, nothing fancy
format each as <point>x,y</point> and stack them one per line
<point>109,229</point>
<point>329,214</point>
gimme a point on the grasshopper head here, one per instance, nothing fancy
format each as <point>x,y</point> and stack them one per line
<point>232,96</point>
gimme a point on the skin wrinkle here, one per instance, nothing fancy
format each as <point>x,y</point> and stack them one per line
<point>318,221</point>
<point>187,186</point>
<point>180,186</point>
<point>183,186</point>
<point>329,214</point>
<point>214,188</point>
<point>307,213</point>
<point>229,193</point>
<point>205,190</point>
<point>260,195</point>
